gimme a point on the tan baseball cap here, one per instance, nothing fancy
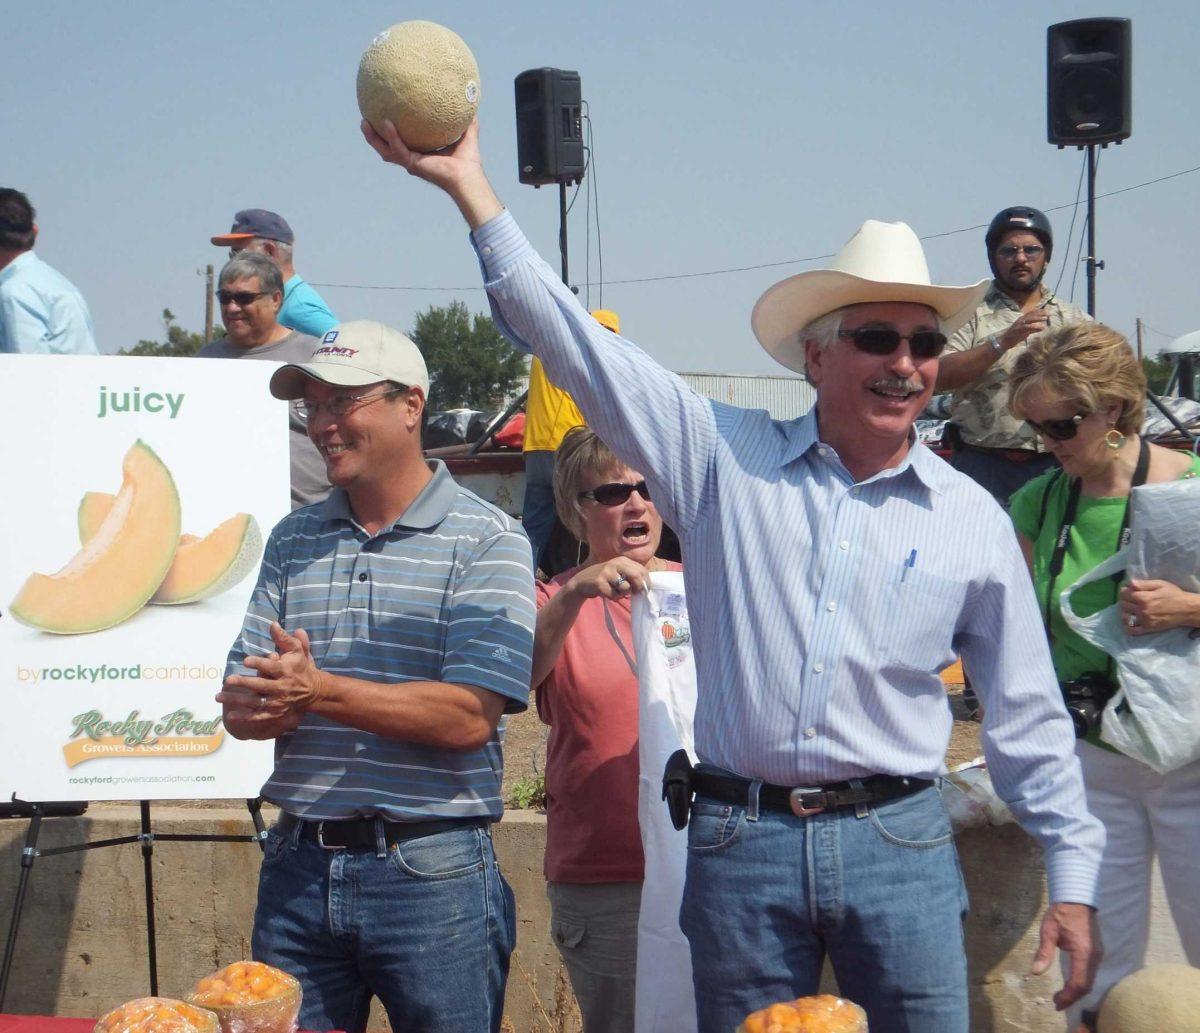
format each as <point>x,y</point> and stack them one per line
<point>355,354</point>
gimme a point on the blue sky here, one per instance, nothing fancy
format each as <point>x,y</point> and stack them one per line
<point>726,135</point>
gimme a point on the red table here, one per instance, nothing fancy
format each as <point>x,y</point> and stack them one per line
<point>44,1024</point>
<point>51,1024</point>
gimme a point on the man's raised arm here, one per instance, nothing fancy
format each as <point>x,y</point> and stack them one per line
<point>647,415</point>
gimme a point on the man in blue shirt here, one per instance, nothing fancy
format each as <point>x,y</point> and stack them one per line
<point>256,229</point>
<point>41,311</point>
<point>408,608</point>
<point>834,567</point>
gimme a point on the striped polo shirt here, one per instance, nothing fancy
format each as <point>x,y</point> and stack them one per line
<point>443,594</point>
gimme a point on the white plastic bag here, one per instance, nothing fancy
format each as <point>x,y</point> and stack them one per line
<point>1155,715</point>
<point>971,799</point>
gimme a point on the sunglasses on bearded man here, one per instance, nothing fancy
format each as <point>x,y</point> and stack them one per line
<point>883,340</point>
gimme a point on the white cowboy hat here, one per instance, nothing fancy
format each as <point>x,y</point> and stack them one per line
<point>883,261</point>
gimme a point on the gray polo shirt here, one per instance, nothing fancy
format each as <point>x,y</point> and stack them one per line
<point>309,483</point>
<point>443,594</point>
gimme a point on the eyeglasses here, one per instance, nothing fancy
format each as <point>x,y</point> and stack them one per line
<point>1012,250</point>
<point>615,493</point>
<point>883,340</point>
<point>1058,430</point>
<point>341,405</point>
<point>243,298</point>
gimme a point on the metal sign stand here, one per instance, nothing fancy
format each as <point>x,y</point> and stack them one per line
<point>146,837</point>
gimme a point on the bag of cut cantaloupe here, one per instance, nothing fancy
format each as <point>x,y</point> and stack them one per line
<point>250,997</point>
<point>157,1015</point>
<point>822,1013</point>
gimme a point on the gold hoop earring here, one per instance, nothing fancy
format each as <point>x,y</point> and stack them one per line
<point>1114,439</point>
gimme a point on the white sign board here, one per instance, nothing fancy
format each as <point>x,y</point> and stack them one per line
<point>123,477</point>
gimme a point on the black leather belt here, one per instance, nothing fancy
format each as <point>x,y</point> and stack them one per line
<point>806,800</point>
<point>360,833</point>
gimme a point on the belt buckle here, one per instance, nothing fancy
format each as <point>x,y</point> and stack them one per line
<point>796,801</point>
<point>321,838</point>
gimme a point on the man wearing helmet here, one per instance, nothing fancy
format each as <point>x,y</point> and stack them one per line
<point>992,446</point>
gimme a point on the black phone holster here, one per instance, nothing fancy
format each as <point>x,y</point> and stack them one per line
<point>677,788</point>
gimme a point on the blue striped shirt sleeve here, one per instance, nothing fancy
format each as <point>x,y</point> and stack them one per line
<point>645,414</point>
<point>265,606</point>
<point>1028,738</point>
<point>489,638</point>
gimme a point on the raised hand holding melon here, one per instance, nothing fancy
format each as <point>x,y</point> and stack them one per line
<point>422,78</point>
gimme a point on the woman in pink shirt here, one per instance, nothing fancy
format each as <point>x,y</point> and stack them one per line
<point>587,692</point>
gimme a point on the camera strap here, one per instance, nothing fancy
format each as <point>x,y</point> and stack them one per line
<point>1063,540</point>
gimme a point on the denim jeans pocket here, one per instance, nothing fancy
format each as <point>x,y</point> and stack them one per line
<point>447,855</point>
<point>713,826</point>
<point>274,846</point>
<point>918,822</point>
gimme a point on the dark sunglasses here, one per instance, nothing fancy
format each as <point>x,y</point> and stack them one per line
<point>1011,251</point>
<point>882,340</point>
<point>243,298</point>
<point>615,493</point>
<point>1059,430</point>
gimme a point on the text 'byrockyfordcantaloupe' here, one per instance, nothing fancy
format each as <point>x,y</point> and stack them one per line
<point>121,567</point>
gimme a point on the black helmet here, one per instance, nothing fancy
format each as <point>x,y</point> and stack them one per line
<point>1020,217</point>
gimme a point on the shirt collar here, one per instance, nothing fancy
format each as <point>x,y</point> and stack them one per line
<point>427,510</point>
<point>802,435</point>
<point>23,259</point>
<point>997,298</point>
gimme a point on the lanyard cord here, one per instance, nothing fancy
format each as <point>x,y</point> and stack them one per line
<point>1063,541</point>
<point>612,630</point>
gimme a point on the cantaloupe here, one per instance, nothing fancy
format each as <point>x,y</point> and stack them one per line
<point>203,567</point>
<point>121,566</point>
<point>422,77</point>
<point>1157,999</point>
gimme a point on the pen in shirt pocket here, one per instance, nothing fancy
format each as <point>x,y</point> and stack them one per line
<point>908,565</point>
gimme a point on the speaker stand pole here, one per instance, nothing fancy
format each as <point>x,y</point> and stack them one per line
<point>562,228</point>
<point>1092,264</point>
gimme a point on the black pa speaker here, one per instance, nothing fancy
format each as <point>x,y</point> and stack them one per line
<point>549,126</point>
<point>1088,72</point>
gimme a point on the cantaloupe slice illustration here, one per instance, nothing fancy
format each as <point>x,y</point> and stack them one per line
<point>203,567</point>
<point>123,563</point>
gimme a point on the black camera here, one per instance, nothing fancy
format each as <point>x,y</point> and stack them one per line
<point>1086,697</point>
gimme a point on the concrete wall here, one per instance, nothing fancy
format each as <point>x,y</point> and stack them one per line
<point>82,946</point>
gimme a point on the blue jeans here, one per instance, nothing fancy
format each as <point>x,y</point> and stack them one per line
<point>537,508</point>
<point>426,925</point>
<point>878,890</point>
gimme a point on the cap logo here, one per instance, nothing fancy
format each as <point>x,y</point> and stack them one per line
<point>335,350</point>
<point>330,337</point>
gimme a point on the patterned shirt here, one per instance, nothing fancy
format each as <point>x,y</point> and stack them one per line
<point>980,409</point>
<point>822,609</point>
<point>443,594</point>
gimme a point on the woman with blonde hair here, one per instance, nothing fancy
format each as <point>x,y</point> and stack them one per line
<point>587,692</point>
<point>1083,390</point>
